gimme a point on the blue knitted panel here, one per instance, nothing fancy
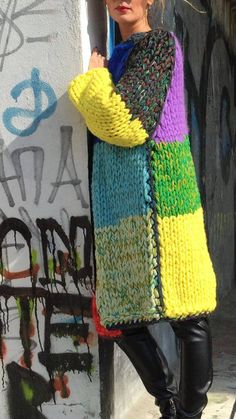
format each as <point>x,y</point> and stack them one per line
<point>118,60</point>
<point>127,169</point>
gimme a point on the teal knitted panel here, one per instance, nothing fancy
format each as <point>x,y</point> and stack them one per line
<point>127,170</point>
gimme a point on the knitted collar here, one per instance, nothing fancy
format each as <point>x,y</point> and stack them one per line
<point>120,54</point>
<point>136,37</point>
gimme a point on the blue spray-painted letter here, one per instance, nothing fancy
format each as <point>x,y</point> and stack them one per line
<point>38,86</point>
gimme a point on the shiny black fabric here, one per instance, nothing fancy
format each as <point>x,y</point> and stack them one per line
<point>195,365</point>
<point>168,409</point>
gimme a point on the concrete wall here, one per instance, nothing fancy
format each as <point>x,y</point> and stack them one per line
<point>48,369</point>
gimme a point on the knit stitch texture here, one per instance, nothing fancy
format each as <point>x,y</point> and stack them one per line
<point>151,251</point>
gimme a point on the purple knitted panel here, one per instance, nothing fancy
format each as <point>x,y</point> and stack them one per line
<point>173,122</point>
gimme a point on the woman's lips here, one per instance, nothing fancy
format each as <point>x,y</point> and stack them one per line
<point>122,9</point>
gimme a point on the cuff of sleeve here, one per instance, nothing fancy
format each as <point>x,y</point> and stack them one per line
<point>91,79</point>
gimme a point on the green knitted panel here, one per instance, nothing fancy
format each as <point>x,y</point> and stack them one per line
<point>127,276</point>
<point>175,186</point>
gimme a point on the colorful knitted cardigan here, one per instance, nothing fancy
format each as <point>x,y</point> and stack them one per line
<point>152,260</point>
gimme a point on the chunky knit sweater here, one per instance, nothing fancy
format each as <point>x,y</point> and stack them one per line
<point>151,252</point>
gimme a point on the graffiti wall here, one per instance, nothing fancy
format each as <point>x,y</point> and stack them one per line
<point>208,41</point>
<point>48,346</point>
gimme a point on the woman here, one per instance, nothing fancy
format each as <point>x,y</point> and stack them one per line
<point>152,261</point>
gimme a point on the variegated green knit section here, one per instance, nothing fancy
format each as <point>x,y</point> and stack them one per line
<point>175,186</point>
<point>127,251</point>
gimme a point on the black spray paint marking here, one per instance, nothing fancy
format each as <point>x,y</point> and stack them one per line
<point>84,224</point>
<point>74,305</point>
<point>63,267</point>
<point>81,222</point>
<point>71,304</point>
<point>25,319</point>
<point>7,312</point>
<point>65,303</point>
<point>3,319</point>
<point>70,329</point>
<point>16,225</point>
<point>26,392</point>
<point>54,259</point>
<point>7,245</point>
<point>37,321</point>
<point>60,363</point>
<point>1,352</point>
<point>52,226</point>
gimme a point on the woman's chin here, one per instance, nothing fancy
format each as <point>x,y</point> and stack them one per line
<point>122,19</point>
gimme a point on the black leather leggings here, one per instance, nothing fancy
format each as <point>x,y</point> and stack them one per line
<point>195,368</point>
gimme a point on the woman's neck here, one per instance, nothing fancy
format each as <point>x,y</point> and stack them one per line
<point>126,32</point>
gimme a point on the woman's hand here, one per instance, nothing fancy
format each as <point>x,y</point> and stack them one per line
<point>97,60</point>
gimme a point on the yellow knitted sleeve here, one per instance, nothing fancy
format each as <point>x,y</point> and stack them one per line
<point>105,113</point>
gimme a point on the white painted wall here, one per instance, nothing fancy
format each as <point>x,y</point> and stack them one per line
<point>50,37</point>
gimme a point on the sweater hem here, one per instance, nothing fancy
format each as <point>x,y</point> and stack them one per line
<point>144,321</point>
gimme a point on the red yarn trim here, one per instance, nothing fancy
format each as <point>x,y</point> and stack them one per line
<point>101,330</point>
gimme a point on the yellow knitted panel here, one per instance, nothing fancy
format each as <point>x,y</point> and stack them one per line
<point>188,278</point>
<point>104,111</point>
